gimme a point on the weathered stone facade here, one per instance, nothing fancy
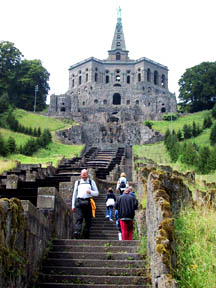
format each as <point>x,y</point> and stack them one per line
<point>112,89</point>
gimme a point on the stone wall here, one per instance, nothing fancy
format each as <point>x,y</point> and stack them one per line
<point>166,195</point>
<point>26,232</point>
<point>95,133</point>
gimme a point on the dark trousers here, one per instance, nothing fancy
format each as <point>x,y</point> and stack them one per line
<point>86,214</point>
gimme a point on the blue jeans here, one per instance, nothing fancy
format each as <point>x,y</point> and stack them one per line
<point>109,210</point>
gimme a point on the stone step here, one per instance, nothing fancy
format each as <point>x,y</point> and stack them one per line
<point>88,242</point>
<point>99,249</point>
<point>71,285</point>
<point>94,255</point>
<point>93,263</point>
<point>94,271</point>
<point>85,279</point>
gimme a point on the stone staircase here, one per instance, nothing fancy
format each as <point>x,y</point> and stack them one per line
<point>101,261</point>
<point>93,263</point>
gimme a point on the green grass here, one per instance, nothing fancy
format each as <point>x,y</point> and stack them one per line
<point>19,138</point>
<point>53,153</point>
<point>195,234</point>
<point>28,119</point>
<point>162,126</point>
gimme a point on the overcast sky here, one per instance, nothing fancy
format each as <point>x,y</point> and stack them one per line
<point>176,33</point>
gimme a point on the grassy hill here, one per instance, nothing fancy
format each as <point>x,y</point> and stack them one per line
<point>158,153</point>
<point>54,152</point>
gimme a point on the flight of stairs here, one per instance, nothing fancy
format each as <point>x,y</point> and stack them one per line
<point>101,261</point>
<point>93,263</point>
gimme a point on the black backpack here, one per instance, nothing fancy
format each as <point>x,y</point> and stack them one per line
<point>122,185</point>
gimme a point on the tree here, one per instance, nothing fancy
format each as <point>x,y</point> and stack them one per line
<point>32,73</point>
<point>198,87</point>
<point>212,137</point>
<point>187,130</point>
<point>213,112</point>
<point>10,59</point>
<point>4,102</point>
<point>11,144</point>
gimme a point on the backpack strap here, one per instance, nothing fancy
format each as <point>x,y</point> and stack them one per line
<point>90,182</point>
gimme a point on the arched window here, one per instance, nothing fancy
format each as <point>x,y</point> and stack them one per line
<point>156,77</point>
<point>118,44</point>
<point>95,101</point>
<point>73,83</point>
<point>80,80</point>
<point>163,81</point>
<point>118,56</point>
<point>107,78</point>
<point>83,103</point>
<point>105,102</point>
<point>87,77</point>
<point>62,109</point>
<point>128,102</point>
<point>139,77</point>
<point>96,77</point>
<point>137,102</point>
<point>128,79</point>
<point>163,110</point>
<point>148,75</point>
<point>116,99</point>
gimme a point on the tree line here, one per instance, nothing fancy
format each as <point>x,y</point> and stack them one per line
<point>18,79</point>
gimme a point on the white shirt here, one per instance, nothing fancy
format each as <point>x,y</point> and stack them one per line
<point>80,191</point>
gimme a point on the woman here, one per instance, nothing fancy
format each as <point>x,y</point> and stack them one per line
<point>110,202</point>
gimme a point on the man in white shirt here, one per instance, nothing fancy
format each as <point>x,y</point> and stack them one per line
<point>84,189</point>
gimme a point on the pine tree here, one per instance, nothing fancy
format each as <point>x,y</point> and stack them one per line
<point>212,137</point>
<point>194,129</point>
<point>11,144</point>
<point>187,131</point>
<point>204,156</point>
<point>179,135</point>
<point>166,136</point>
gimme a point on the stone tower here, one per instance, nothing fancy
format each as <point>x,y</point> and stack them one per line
<point>116,89</point>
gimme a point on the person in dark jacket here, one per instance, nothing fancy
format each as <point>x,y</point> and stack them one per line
<point>126,205</point>
<point>110,203</point>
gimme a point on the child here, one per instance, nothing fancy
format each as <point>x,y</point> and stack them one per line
<point>118,225</point>
<point>122,183</point>
<point>110,202</point>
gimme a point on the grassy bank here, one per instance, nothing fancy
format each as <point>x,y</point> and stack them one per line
<point>195,233</point>
<point>53,153</point>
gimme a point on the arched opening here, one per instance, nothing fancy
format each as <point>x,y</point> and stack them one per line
<point>80,80</point>
<point>118,56</point>
<point>96,77</point>
<point>128,79</point>
<point>139,77</point>
<point>163,81</point>
<point>107,79</point>
<point>148,75</point>
<point>105,102</point>
<point>117,85</point>
<point>156,77</point>
<point>62,109</point>
<point>137,102</point>
<point>116,99</point>
<point>163,110</point>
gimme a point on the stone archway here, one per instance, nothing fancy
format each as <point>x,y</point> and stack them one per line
<point>116,99</point>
